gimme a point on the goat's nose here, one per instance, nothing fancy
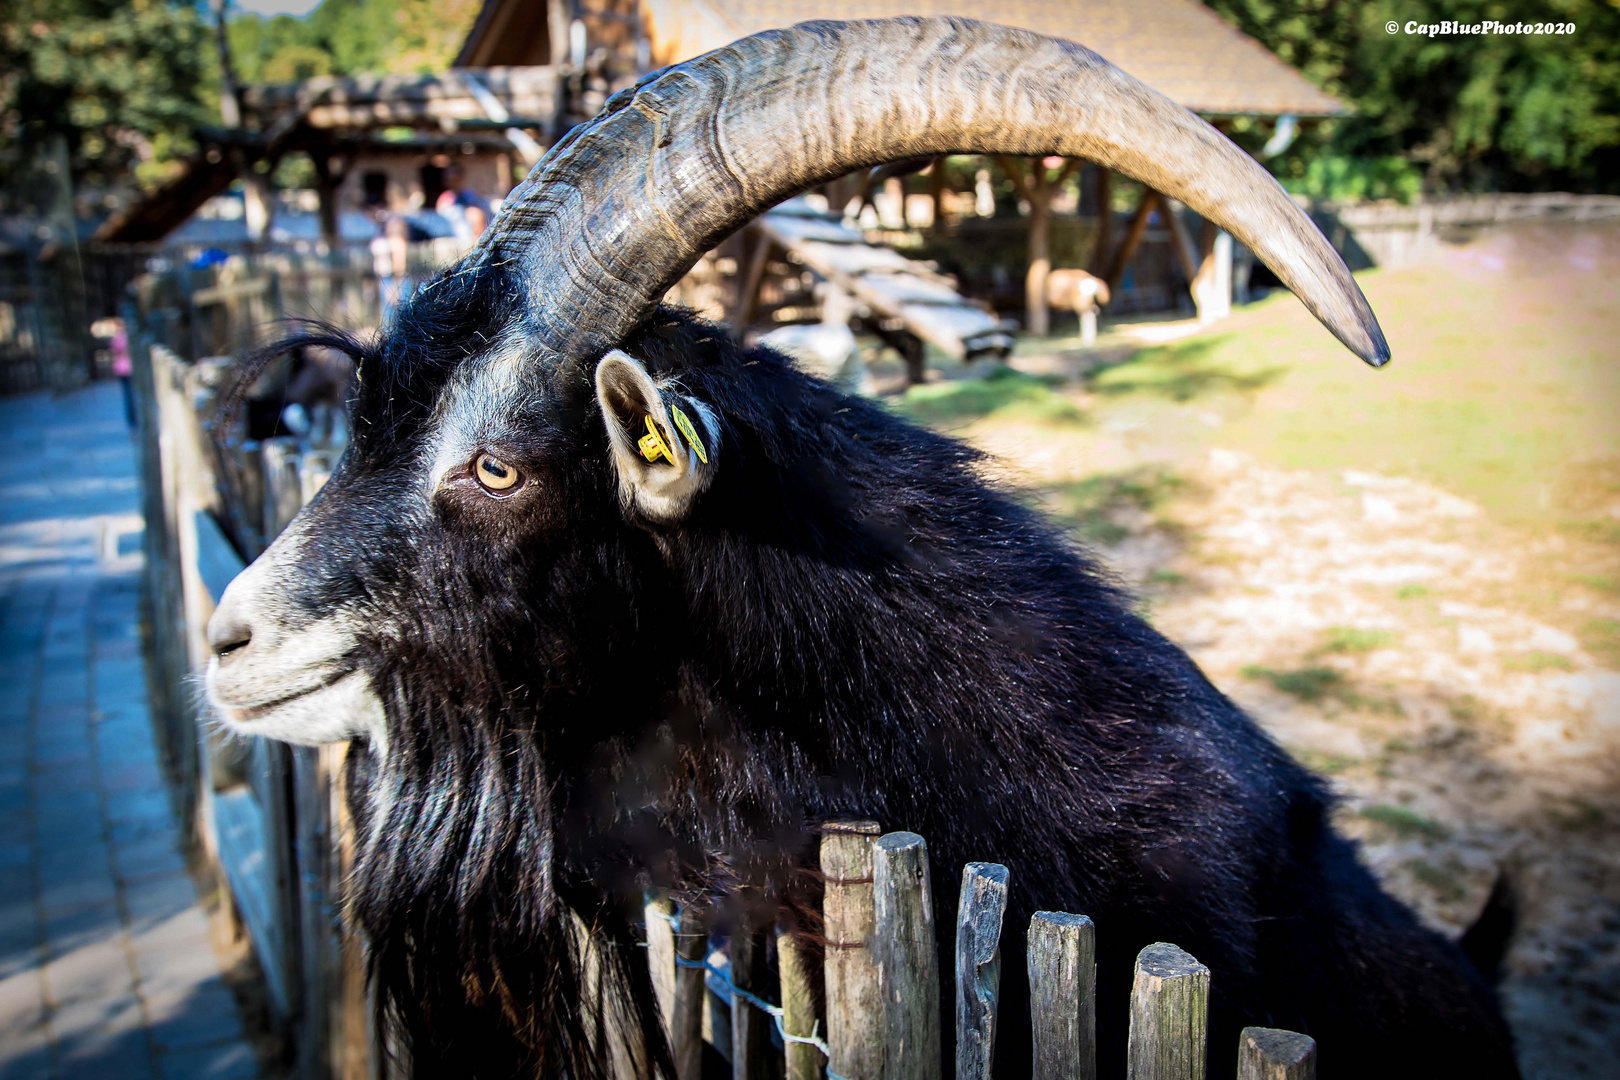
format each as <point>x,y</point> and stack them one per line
<point>228,632</point>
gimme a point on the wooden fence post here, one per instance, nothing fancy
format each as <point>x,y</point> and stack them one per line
<point>1270,1054</point>
<point>979,912</point>
<point>282,497</point>
<point>798,1007</point>
<point>908,966</point>
<point>854,998</point>
<point>1062,956</point>
<point>1169,1015</point>
<point>686,1015</point>
<point>659,918</point>
<point>750,1028</point>
<point>314,470</point>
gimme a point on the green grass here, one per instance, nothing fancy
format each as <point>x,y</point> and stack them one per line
<point>1536,661</point>
<point>1088,506</point>
<point>1184,370</point>
<point>1324,763</point>
<point>1437,878</point>
<point>1601,637</point>
<point>1411,592</point>
<point>1488,396</point>
<point>1404,823</point>
<point>1350,639</point>
<point>1307,684</point>
<point>1002,393</point>
<point>1600,582</point>
<point>1320,684</point>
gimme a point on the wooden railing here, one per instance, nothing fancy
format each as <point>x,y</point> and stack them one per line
<point>273,822</point>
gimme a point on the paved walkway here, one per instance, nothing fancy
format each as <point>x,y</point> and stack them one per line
<point>106,970</point>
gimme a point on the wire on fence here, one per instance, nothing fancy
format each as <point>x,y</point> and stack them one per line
<point>775,1012</point>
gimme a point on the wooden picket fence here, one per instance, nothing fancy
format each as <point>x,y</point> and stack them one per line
<point>272,821</point>
<point>882,983</point>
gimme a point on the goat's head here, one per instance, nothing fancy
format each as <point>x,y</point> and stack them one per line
<point>506,456</point>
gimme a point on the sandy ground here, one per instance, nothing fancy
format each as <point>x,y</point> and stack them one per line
<point>1449,659</point>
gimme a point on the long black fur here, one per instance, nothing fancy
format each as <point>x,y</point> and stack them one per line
<point>851,622</point>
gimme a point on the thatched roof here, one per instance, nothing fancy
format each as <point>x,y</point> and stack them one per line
<point>1180,47</point>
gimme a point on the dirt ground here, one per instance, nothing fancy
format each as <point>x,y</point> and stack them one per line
<point>1410,578</point>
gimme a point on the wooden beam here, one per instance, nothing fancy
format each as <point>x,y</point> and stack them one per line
<point>1133,236</point>
<point>936,191</point>
<point>1104,247</point>
<point>1013,172</point>
<point>753,277</point>
<point>1179,240</point>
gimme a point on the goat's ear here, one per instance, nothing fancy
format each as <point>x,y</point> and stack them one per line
<point>665,445</point>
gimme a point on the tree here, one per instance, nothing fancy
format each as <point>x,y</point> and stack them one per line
<point>1459,112</point>
<point>341,37</point>
<point>123,83</point>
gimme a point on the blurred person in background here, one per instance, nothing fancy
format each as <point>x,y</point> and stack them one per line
<point>467,211</point>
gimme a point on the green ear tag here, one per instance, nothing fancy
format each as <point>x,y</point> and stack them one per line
<point>690,432</point>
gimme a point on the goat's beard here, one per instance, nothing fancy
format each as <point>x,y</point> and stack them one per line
<point>486,959</point>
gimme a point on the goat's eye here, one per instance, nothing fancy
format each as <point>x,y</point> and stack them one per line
<point>495,474</point>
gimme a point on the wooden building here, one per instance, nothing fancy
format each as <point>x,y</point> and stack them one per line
<point>1180,47</point>
<point>372,139</point>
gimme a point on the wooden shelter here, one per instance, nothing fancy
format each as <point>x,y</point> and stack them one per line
<point>371,138</point>
<point>1179,47</point>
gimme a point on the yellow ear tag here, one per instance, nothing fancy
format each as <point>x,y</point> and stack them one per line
<point>652,444</point>
<point>688,430</point>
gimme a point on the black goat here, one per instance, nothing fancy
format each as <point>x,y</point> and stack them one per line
<point>644,620</point>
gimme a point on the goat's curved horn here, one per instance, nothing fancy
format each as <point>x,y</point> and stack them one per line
<point>625,204</point>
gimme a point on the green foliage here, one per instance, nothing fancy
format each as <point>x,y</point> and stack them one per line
<point>341,37</point>
<point>1471,111</point>
<point>124,82</point>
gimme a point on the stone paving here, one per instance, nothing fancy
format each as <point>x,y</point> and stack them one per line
<point>106,969</point>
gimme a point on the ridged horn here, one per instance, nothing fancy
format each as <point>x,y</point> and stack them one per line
<point>625,204</point>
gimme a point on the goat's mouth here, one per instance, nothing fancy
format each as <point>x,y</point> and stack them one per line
<point>247,713</point>
<point>339,706</point>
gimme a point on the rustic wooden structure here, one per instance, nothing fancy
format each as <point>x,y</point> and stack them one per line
<point>903,302</point>
<point>1179,47</point>
<point>490,122</point>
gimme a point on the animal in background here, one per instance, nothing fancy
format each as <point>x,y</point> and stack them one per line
<point>1081,293</point>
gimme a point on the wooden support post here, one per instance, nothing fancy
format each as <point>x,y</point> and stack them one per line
<point>686,1014</point>
<point>936,191</point>
<point>314,470</point>
<point>1169,1015</point>
<point>1212,285</point>
<point>282,495</point>
<point>1179,241</point>
<point>1036,189</point>
<point>1133,236</point>
<point>1062,956</point>
<point>1103,249</point>
<point>658,913</point>
<point>1272,1054</point>
<point>979,911</point>
<point>753,276</point>
<point>750,1028</point>
<point>798,1007</point>
<point>908,966</point>
<point>854,998</point>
